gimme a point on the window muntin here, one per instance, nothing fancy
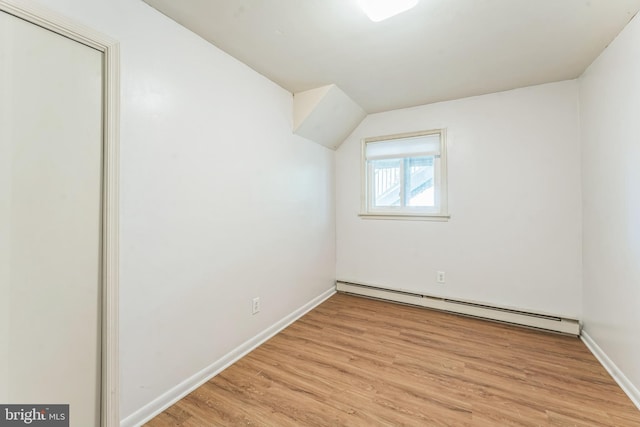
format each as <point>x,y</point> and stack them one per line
<point>405,174</point>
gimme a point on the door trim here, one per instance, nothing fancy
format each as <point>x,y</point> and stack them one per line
<point>110,376</point>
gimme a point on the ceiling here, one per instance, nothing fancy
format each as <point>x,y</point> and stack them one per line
<point>440,50</point>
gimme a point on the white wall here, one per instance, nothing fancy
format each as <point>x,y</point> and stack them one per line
<point>219,201</point>
<point>610,128</point>
<point>514,197</point>
<point>5,255</point>
<point>5,219</point>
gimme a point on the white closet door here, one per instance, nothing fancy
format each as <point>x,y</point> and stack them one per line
<point>50,221</point>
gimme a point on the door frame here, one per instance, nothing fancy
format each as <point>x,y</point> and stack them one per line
<point>45,18</point>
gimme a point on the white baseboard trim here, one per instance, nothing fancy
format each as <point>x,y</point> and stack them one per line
<point>625,384</point>
<point>164,401</point>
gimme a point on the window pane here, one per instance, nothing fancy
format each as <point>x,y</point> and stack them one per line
<point>405,175</point>
<point>386,183</point>
<point>420,190</point>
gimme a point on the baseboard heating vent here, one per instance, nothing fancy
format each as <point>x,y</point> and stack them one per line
<point>500,314</point>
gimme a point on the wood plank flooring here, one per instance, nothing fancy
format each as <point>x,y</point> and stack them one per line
<point>359,362</point>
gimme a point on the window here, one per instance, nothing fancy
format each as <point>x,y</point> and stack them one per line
<point>405,175</point>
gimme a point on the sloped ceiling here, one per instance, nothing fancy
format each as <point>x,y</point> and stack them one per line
<point>440,50</point>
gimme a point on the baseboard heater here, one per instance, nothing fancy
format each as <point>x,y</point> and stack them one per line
<point>500,314</point>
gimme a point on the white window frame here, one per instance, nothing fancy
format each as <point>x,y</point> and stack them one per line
<point>438,213</point>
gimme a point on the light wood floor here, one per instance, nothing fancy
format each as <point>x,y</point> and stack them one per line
<point>358,362</point>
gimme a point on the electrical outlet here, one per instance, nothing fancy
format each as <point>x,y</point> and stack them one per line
<point>440,277</point>
<point>255,308</point>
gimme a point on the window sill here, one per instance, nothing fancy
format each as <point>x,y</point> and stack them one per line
<point>405,216</point>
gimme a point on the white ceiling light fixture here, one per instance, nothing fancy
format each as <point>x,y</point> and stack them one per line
<point>379,10</point>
